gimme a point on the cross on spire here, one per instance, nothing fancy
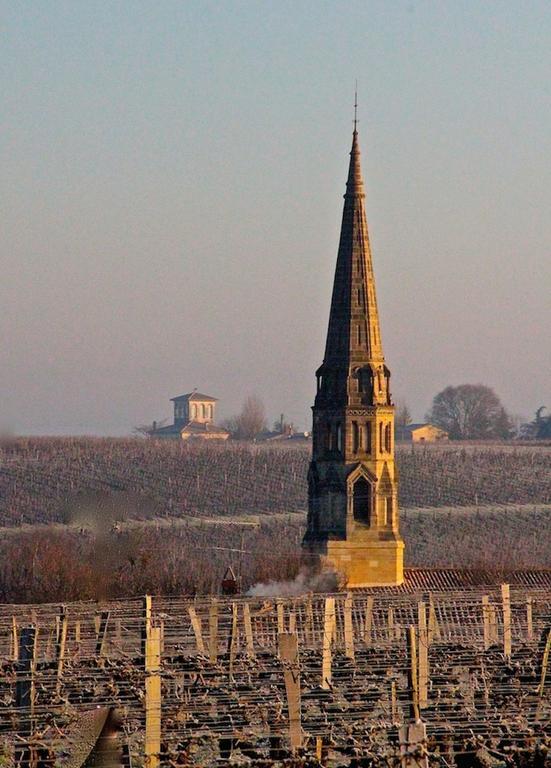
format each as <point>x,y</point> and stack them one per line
<point>356,107</point>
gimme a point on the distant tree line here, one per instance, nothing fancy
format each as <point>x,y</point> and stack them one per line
<point>539,428</point>
<point>470,412</point>
<point>475,412</point>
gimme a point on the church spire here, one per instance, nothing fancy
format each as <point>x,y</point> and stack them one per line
<point>355,183</point>
<point>353,523</point>
<point>354,336</point>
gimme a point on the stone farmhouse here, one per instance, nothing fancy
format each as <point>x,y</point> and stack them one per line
<point>193,419</point>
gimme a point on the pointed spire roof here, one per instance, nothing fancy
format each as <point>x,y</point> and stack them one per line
<point>353,336</point>
<point>355,182</point>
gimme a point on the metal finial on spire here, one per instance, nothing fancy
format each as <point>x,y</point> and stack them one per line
<point>356,107</point>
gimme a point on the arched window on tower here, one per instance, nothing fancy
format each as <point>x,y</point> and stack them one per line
<point>388,438</point>
<point>355,437</point>
<point>361,501</point>
<point>366,384</point>
<point>381,439</point>
<point>368,437</point>
<point>339,438</point>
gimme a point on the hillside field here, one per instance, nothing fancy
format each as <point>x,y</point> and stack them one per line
<point>87,518</point>
<point>61,480</point>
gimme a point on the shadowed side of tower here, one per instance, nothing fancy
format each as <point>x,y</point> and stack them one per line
<point>352,482</point>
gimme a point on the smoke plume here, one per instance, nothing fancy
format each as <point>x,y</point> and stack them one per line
<point>304,582</point>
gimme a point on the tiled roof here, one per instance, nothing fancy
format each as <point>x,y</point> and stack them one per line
<point>445,579</point>
<point>195,396</point>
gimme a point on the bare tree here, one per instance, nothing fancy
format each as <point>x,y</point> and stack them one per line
<point>231,425</point>
<point>403,414</point>
<point>252,419</point>
<point>470,412</point>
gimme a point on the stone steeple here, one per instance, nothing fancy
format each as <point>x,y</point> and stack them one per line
<point>353,514</point>
<point>354,315</point>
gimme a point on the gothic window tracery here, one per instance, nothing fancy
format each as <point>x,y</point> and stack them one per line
<point>361,501</point>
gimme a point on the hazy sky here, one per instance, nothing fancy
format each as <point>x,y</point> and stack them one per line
<point>172,181</point>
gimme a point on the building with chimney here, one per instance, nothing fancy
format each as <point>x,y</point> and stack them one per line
<point>193,418</point>
<point>353,523</point>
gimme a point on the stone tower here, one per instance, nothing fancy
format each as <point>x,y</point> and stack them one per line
<point>352,482</point>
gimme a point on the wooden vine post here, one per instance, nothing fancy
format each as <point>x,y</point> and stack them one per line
<point>423,653</point>
<point>329,626</point>
<point>249,637</point>
<point>152,663</point>
<point>101,638</point>
<point>309,630</point>
<point>146,622</point>
<point>61,649</point>
<point>506,608</point>
<point>544,665</point>
<point>280,617</point>
<point>213,632</point>
<point>233,640</point>
<point>197,629</point>
<point>24,693</point>
<point>368,620</point>
<point>413,679</point>
<point>529,620</point>
<point>413,735</point>
<point>348,627</point>
<point>486,621</point>
<point>434,628</point>
<point>390,623</point>
<point>14,639</point>
<point>288,652</point>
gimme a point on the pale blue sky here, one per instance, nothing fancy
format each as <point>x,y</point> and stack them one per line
<point>172,180</point>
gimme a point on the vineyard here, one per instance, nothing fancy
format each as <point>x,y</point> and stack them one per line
<point>336,680</point>
<point>61,480</point>
<point>169,519</point>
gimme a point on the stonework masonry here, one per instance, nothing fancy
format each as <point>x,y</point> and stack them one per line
<point>353,482</point>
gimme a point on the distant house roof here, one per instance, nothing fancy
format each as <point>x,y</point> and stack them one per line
<point>172,429</point>
<point>194,396</point>
<point>200,427</point>
<point>192,427</point>
<point>277,436</point>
